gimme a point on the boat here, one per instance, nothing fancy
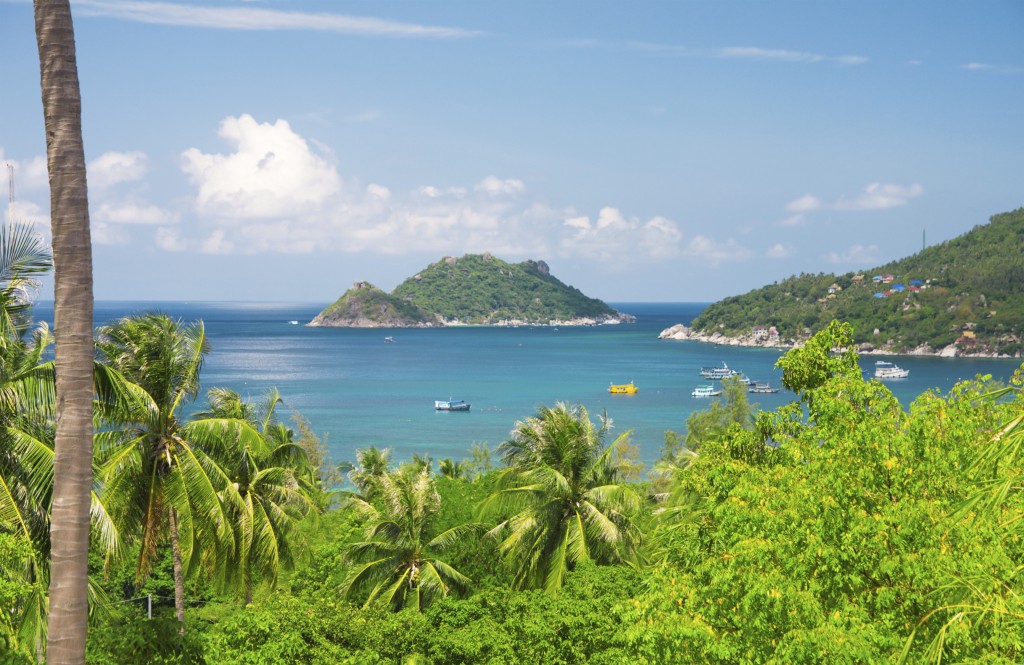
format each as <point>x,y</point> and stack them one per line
<point>622,388</point>
<point>706,391</point>
<point>451,405</point>
<point>293,323</point>
<point>389,340</point>
<point>762,388</point>
<point>887,370</point>
<point>717,373</point>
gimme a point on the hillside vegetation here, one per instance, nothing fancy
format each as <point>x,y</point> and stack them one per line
<point>967,292</point>
<point>475,289</point>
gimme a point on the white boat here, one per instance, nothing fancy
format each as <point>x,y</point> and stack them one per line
<point>451,405</point>
<point>762,388</point>
<point>717,373</point>
<point>706,391</point>
<point>887,370</point>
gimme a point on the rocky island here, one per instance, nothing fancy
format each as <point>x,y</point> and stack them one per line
<point>476,289</point>
<point>962,297</point>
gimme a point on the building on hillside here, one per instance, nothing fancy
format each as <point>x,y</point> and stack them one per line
<point>760,332</point>
<point>835,287</point>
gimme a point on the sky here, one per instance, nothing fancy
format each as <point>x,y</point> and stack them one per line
<point>677,150</point>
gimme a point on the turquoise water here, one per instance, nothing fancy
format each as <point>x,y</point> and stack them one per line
<point>358,391</point>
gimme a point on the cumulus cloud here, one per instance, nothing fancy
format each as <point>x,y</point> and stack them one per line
<point>132,213</point>
<point>169,239</point>
<point>112,168</point>
<point>496,187</point>
<point>272,172</point>
<point>879,196</point>
<point>856,254</point>
<point>715,253</point>
<point>612,236</point>
<point>779,251</point>
<point>804,203</point>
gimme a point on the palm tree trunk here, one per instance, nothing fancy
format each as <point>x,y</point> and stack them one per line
<point>73,303</point>
<point>179,576</point>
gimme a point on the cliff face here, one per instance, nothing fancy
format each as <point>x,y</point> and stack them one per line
<point>476,289</point>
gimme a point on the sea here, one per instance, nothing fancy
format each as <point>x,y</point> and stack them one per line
<point>357,389</point>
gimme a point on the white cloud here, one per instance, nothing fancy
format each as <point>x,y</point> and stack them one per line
<point>879,196</point>
<point>496,187</point>
<point>271,173</point>
<point>716,253</point>
<point>804,203</point>
<point>857,254</point>
<point>112,168</point>
<point>251,18</point>
<point>779,251</point>
<point>217,243</point>
<point>169,239</point>
<point>614,237</point>
<point>132,213</point>
<point>782,55</point>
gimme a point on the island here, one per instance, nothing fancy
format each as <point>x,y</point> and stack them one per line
<point>962,297</point>
<point>476,289</point>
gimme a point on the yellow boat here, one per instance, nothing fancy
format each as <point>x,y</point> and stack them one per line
<point>622,388</point>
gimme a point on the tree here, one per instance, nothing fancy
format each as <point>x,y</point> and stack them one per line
<point>397,563</point>
<point>72,249</point>
<point>371,465</point>
<point>560,498</point>
<point>263,496</point>
<point>154,481</point>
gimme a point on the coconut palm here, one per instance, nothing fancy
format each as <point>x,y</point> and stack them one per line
<point>371,464</point>
<point>264,498</point>
<point>154,481</point>
<point>396,564</point>
<point>559,498</point>
<point>73,300</point>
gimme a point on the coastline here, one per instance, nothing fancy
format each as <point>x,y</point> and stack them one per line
<point>680,332</point>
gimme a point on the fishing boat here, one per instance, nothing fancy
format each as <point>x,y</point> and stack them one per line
<point>717,373</point>
<point>451,405</point>
<point>706,391</point>
<point>622,388</point>
<point>887,370</point>
<point>389,340</point>
<point>762,388</point>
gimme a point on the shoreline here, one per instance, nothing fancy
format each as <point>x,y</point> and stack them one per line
<point>680,332</point>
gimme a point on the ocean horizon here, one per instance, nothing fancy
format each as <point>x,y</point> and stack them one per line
<point>357,390</point>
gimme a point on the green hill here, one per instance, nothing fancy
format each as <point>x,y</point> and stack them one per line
<point>476,289</point>
<point>967,292</point>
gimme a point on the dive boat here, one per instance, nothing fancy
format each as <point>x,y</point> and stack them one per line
<point>764,388</point>
<point>622,388</point>
<point>717,373</point>
<point>887,370</point>
<point>451,405</point>
<point>706,391</point>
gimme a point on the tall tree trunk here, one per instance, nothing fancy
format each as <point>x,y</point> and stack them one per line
<point>72,318</point>
<point>179,574</point>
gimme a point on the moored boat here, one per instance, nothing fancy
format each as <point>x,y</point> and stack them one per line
<point>706,391</point>
<point>717,373</point>
<point>887,370</point>
<point>451,405</point>
<point>762,388</point>
<point>622,388</point>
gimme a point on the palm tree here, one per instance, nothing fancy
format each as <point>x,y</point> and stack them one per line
<point>371,465</point>
<point>396,564</point>
<point>73,304</point>
<point>154,480</point>
<point>264,496</point>
<point>559,498</point>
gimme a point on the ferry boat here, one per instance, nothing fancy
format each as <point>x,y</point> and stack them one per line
<point>762,388</point>
<point>706,391</point>
<point>887,370</point>
<point>622,388</point>
<point>451,405</point>
<point>717,373</point>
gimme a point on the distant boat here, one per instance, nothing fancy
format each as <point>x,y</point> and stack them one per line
<point>451,405</point>
<point>763,388</point>
<point>293,323</point>
<point>717,373</point>
<point>389,340</point>
<point>622,388</point>
<point>887,370</point>
<point>706,391</point>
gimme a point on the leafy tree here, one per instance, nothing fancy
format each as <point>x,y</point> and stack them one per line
<point>560,499</point>
<point>396,564</point>
<point>154,481</point>
<point>371,465</point>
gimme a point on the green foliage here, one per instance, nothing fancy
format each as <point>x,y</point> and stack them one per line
<point>482,289</point>
<point>973,282</point>
<point>365,302</point>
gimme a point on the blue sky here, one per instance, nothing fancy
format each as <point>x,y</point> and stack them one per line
<point>672,151</point>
